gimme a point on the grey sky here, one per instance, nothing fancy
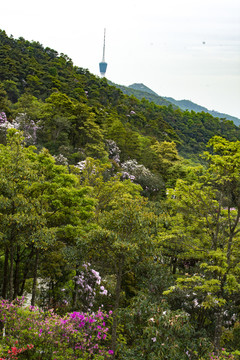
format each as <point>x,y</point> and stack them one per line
<point>188,49</point>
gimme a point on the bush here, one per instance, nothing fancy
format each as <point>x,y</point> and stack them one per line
<point>155,332</point>
<point>29,333</point>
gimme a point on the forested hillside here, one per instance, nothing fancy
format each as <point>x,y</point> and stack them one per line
<point>42,84</point>
<point>119,219</point>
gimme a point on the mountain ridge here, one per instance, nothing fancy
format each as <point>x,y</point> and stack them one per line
<point>190,105</point>
<point>149,95</point>
<point>184,104</point>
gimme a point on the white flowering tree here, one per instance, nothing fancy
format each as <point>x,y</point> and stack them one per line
<point>88,284</point>
<point>23,123</point>
<point>151,184</point>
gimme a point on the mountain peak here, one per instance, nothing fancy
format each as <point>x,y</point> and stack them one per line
<point>142,87</point>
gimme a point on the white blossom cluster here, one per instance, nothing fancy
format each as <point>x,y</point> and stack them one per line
<point>126,175</point>
<point>4,123</point>
<point>133,168</point>
<point>60,159</point>
<point>89,281</point>
<point>28,126</point>
<point>23,123</point>
<point>141,175</point>
<point>114,151</point>
<point>81,165</point>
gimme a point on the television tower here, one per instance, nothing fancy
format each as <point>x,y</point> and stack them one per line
<point>103,64</point>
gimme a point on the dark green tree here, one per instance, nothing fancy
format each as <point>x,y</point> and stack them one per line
<point>43,208</point>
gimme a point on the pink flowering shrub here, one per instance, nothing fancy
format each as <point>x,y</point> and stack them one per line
<point>43,335</point>
<point>225,355</point>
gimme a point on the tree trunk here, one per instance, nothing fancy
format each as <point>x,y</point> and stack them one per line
<point>34,286</point>
<point>75,292</point>
<point>116,305</point>
<point>16,275</point>
<point>25,274</point>
<point>174,265</point>
<point>218,331</point>
<point>11,272</point>
<point>5,274</point>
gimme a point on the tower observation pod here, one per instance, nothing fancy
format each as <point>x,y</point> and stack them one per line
<point>103,64</point>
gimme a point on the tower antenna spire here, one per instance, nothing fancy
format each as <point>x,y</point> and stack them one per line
<point>103,59</point>
<point>103,64</point>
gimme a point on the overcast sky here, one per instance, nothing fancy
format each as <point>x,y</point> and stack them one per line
<point>185,49</point>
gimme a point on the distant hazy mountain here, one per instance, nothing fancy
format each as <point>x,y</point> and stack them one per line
<point>189,105</point>
<point>142,87</point>
<point>142,91</point>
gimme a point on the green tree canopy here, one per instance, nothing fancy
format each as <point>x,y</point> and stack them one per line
<point>203,228</point>
<point>43,208</point>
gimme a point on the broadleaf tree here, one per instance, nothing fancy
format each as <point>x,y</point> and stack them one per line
<point>42,208</point>
<point>203,224</point>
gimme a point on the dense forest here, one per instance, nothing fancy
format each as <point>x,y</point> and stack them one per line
<point>120,232</point>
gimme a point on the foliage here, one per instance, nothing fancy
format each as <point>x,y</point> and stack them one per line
<point>76,335</point>
<point>42,209</point>
<point>203,229</point>
<point>157,332</point>
<point>98,209</point>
